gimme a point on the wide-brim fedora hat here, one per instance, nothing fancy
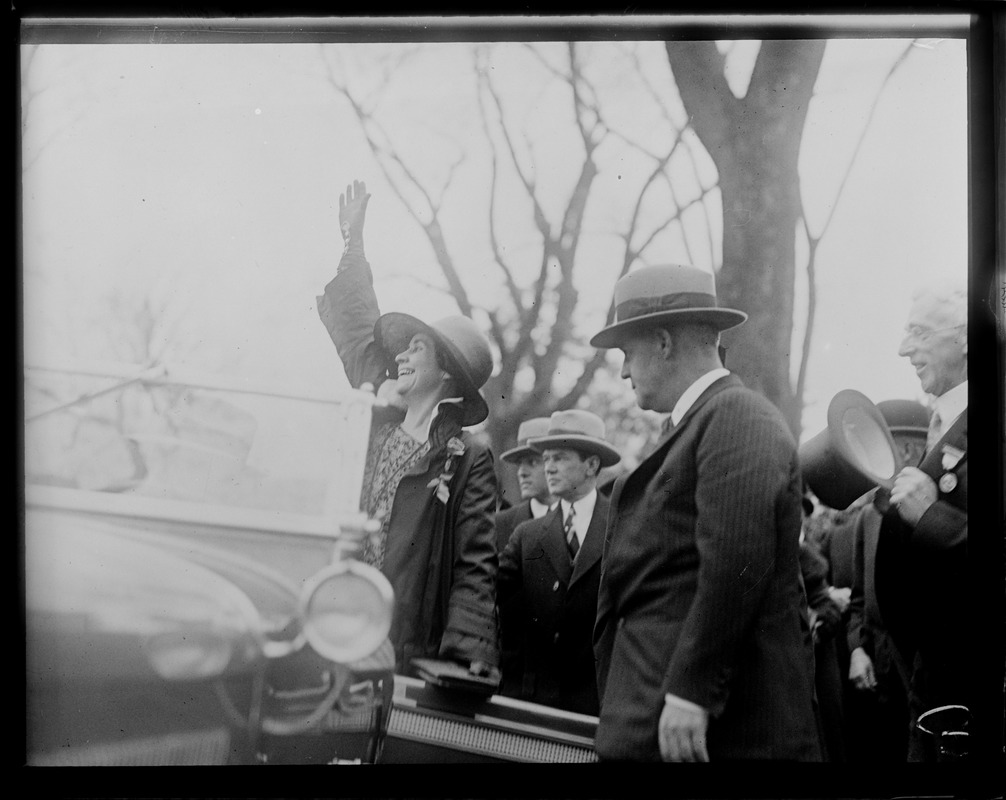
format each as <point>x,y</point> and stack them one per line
<point>528,429</point>
<point>464,347</point>
<point>852,455</point>
<point>579,430</point>
<point>665,294</point>
<point>909,416</point>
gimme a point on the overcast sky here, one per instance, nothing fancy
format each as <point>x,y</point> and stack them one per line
<point>212,172</point>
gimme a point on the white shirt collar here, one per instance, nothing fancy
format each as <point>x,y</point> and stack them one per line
<point>950,405</point>
<point>691,394</point>
<point>584,512</point>
<point>436,410</point>
<point>538,508</point>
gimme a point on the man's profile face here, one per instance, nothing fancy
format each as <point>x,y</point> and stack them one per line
<point>645,368</point>
<point>531,478</point>
<point>567,471</point>
<point>937,346</point>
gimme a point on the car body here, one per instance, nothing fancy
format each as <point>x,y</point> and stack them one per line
<point>191,591</point>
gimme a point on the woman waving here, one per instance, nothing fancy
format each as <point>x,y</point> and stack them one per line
<point>432,485</point>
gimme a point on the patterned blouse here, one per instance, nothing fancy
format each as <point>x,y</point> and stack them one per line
<point>392,453</point>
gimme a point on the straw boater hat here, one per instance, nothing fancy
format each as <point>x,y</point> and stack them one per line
<point>577,430</point>
<point>466,352</point>
<point>536,426</point>
<point>665,294</point>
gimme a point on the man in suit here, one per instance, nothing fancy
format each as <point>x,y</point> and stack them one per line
<point>554,565</point>
<point>535,500</point>
<point>535,503</point>
<point>877,675</point>
<point>702,638</point>
<point>921,559</point>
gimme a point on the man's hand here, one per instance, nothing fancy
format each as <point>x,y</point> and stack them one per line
<point>861,672</point>
<point>352,211</point>
<point>840,597</point>
<point>913,492</point>
<point>681,733</point>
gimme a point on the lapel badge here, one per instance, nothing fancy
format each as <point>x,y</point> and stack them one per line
<point>948,482</point>
<point>951,456</point>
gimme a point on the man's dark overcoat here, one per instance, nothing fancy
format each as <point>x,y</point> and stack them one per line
<point>701,594</point>
<point>440,557</point>
<point>510,613</point>
<point>922,580</point>
<point>559,607</point>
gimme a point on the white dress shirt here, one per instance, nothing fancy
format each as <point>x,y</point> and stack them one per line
<point>538,508</point>
<point>584,511</point>
<point>691,394</point>
<point>950,405</point>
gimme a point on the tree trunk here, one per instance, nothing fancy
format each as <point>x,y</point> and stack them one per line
<point>755,143</point>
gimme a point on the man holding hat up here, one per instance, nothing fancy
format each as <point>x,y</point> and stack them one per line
<point>553,564</point>
<point>702,645</point>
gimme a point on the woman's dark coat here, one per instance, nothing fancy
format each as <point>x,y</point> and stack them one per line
<point>440,558</point>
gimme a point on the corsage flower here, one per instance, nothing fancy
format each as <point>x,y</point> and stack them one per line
<point>455,447</point>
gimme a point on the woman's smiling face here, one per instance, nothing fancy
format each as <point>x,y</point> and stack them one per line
<point>419,375</point>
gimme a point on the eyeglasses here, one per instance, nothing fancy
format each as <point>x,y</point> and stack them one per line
<point>920,334</point>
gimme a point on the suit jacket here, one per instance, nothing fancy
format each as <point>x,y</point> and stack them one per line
<point>511,616</point>
<point>701,594</point>
<point>559,607</point>
<point>508,519</point>
<point>921,577</point>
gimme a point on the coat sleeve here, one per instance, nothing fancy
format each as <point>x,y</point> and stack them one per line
<point>943,526</point>
<point>472,632</point>
<point>348,308</point>
<point>510,578</point>
<point>856,631</point>
<point>747,485</point>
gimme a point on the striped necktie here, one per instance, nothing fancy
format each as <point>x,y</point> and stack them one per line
<point>572,543</point>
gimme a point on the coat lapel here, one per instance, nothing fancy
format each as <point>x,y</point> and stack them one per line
<point>725,382</point>
<point>593,544</point>
<point>554,543</point>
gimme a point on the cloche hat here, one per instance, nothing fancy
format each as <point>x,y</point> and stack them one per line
<point>463,345</point>
<point>577,430</point>
<point>667,293</point>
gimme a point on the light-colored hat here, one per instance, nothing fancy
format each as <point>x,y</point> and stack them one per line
<point>577,430</point>
<point>665,294</point>
<point>465,347</point>
<point>536,426</point>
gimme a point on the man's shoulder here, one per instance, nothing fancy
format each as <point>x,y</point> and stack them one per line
<point>517,512</point>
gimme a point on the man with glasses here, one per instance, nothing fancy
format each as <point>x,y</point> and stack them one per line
<point>921,561</point>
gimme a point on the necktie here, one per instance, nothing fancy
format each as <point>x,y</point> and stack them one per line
<point>934,434</point>
<point>572,544</point>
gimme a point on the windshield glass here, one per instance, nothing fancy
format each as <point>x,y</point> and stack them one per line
<point>194,443</point>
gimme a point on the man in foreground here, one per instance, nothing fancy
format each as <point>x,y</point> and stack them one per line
<point>701,639</point>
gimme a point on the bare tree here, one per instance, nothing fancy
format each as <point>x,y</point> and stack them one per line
<point>545,364</point>
<point>755,142</point>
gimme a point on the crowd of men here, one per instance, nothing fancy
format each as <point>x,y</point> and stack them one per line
<point>685,605</point>
<point>707,606</point>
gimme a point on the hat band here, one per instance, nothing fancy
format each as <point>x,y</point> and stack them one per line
<point>566,432</point>
<point>679,301</point>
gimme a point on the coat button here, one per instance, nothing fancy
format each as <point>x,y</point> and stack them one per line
<point>555,586</point>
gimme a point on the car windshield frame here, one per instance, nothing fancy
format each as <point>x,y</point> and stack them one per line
<point>345,416</point>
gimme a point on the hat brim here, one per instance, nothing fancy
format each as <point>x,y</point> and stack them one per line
<point>517,454</point>
<point>720,318</point>
<point>393,333</point>
<point>585,444</point>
